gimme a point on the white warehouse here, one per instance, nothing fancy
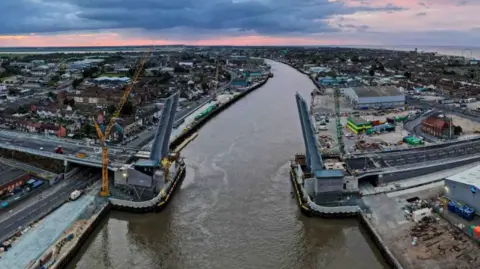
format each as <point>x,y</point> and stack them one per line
<point>465,187</point>
<point>375,97</point>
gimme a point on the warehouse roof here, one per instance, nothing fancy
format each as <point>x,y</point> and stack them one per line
<point>469,177</point>
<point>377,91</point>
<point>8,175</point>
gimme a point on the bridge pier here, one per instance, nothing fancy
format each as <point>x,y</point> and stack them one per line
<point>66,166</point>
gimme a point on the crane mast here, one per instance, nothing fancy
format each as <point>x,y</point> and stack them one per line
<point>341,145</point>
<point>102,136</point>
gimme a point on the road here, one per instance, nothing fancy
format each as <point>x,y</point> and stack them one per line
<point>418,155</point>
<point>470,114</point>
<point>146,136</point>
<point>35,208</point>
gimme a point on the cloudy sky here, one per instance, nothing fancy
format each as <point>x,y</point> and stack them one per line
<point>239,22</point>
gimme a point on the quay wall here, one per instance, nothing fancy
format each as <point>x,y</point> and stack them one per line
<point>213,114</point>
<point>377,239</point>
<point>310,209</point>
<point>158,204</point>
<point>63,260</point>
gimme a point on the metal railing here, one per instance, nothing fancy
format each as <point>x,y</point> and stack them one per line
<point>51,138</point>
<point>63,157</point>
<point>409,167</point>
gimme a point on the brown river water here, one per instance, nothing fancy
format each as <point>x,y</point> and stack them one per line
<point>235,208</point>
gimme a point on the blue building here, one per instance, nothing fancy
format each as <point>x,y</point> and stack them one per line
<point>252,74</point>
<point>327,81</point>
<point>240,82</point>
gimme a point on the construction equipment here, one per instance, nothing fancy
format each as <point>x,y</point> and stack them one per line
<point>103,135</point>
<point>166,163</point>
<point>341,145</point>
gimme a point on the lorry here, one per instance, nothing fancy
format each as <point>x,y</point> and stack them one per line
<point>75,194</point>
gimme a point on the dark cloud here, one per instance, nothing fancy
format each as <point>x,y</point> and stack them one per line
<point>358,28</point>
<point>263,17</point>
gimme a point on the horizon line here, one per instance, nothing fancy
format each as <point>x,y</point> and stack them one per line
<point>186,45</point>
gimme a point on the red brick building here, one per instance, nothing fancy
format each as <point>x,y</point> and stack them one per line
<point>438,127</point>
<point>11,178</point>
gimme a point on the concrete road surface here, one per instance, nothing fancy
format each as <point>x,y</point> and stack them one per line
<point>35,208</point>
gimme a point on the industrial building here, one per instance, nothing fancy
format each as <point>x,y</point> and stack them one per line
<point>439,127</point>
<point>11,178</point>
<point>358,125</point>
<point>464,187</point>
<point>375,97</point>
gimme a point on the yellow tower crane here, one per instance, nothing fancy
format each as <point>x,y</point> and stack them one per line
<point>102,136</point>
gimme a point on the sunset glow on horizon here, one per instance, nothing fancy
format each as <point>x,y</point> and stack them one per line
<point>56,23</point>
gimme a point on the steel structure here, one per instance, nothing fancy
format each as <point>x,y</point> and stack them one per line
<point>339,127</point>
<point>102,136</point>
<point>313,158</point>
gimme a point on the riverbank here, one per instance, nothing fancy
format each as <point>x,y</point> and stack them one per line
<point>201,122</point>
<point>311,210</point>
<point>307,74</point>
<point>81,234</point>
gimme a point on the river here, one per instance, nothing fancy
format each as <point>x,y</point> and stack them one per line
<point>235,208</point>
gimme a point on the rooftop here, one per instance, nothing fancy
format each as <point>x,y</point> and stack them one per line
<point>328,173</point>
<point>9,174</point>
<point>377,91</point>
<point>469,177</point>
<point>120,79</point>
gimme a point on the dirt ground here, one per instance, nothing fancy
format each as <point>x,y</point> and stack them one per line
<point>440,245</point>
<point>468,126</point>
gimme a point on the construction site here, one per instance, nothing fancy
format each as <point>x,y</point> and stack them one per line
<point>361,130</point>
<point>416,227</point>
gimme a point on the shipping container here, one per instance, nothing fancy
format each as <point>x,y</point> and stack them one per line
<point>451,206</point>
<point>476,232</point>
<point>468,213</point>
<point>470,230</point>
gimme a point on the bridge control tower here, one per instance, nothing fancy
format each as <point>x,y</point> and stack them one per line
<point>147,177</point>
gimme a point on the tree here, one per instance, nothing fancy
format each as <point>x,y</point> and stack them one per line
<point>23,109</point>
<point>52,95</point>
<point>68,102</point>
<point>76,83</point>
<point>12,91</point>
<point>457,130</point>
<point>90,72</point>
<point>127,108</point>
<point>407,74</point>
<point>88,129</point>
<point>111,109</point>
<point>179,69</point>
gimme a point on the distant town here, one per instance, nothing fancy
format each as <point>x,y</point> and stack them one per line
<point>58,93</point>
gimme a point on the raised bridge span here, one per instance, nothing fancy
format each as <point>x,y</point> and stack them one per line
<point>42,145</point>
